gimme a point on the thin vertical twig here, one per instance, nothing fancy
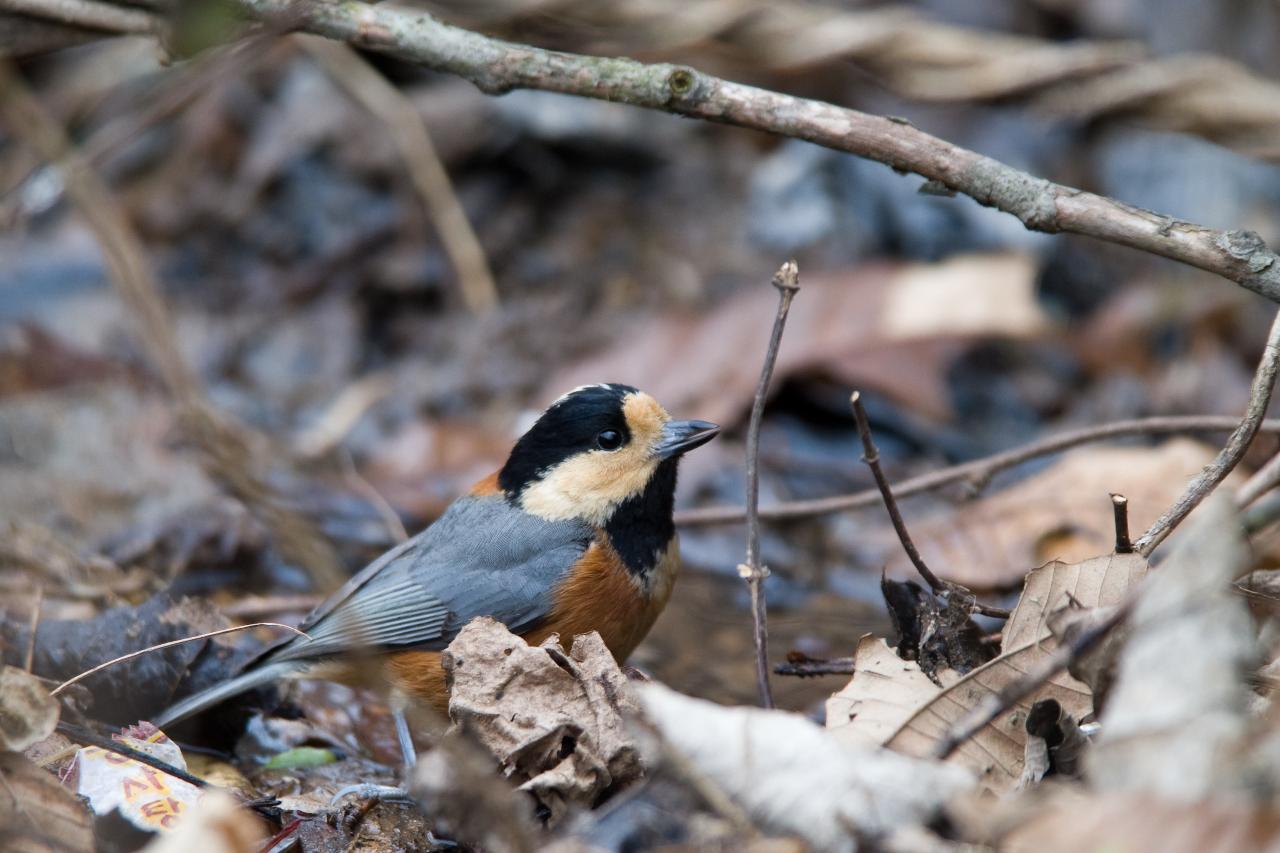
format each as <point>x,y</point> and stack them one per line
<point>1120,508</point>
<point>787,281</point>
<point>871,456</point>
<point>1206,481</point>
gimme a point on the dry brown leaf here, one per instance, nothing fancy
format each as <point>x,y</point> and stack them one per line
<point>996,753</point>
<point>1062,513</point>
<point>38,814</point>
<point>882,695</point>
<point>28,714</point>
<point>892,702</point>
<point>553,721</point>
<point>1144,824</point>
<point>890,328</point>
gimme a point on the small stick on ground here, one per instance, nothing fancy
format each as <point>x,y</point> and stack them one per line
<point>979,471</point>
<point>787,281</point>
<point>1120,507</point>
<point>1206,481</point>
<point>871,456</point>
<point>810,667</point>
<point>131,655</point>
<point>83,735</point>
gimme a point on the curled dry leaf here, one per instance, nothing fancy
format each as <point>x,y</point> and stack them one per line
<point>554,721</point>
<point>793,778</point>
<point>1060,513</point>
<point>37,814</point>
<point>893,329</point>
<point>892,702</point>
<point>28,714</point>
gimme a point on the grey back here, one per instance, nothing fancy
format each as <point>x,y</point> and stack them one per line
<point>483,557</point>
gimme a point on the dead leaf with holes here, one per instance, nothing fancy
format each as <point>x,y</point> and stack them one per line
<point>1061,513</point>
<point>553,721</point>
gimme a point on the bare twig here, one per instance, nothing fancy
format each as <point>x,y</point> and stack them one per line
<point>871,456</point>
<point>131,655</point>
<point>992,706</point>
<point>787,281</point>
<point>979,471</point>
<point>1120,508</point>
<point>808,667</point>
<point>226,454</point>
<point>1207,480</point>
<point>429,177</point>
<point>496,66</point>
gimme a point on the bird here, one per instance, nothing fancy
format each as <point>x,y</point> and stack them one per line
<point>573,534</point>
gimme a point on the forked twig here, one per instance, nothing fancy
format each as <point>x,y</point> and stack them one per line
<point>787,281</point>
<point>131,655</point>
<point>1206,481</point>
<point>871,456</point>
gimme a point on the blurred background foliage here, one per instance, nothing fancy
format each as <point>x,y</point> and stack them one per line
<point>281,199</point>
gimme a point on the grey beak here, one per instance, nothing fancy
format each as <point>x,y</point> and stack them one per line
<point>682,436</point>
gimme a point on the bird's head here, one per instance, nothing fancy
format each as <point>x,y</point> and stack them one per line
<point>599,448</point>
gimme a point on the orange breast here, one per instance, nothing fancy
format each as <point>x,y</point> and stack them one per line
<point>600,595</point>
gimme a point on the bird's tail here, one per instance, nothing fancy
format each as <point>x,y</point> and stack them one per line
<point>216,694</point>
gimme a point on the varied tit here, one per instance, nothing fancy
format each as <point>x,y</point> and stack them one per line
<point>574,534</point>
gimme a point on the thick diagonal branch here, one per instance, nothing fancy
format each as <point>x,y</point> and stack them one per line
<point>498,66</point>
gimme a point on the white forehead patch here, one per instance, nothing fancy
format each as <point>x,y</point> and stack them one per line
<point>602,385</point>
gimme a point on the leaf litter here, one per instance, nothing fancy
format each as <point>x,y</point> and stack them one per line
<point>311,283</point>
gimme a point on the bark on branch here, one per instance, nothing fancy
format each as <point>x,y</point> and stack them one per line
<point>497,66</point>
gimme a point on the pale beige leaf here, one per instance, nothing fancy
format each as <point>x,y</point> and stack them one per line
<point>1097,582</point>
<point>1061,513</point>
<point>884,692</point>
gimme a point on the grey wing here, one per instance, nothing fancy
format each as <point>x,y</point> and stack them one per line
<point>483,557</point>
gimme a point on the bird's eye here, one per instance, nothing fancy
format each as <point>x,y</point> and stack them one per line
<point>610,439</point>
